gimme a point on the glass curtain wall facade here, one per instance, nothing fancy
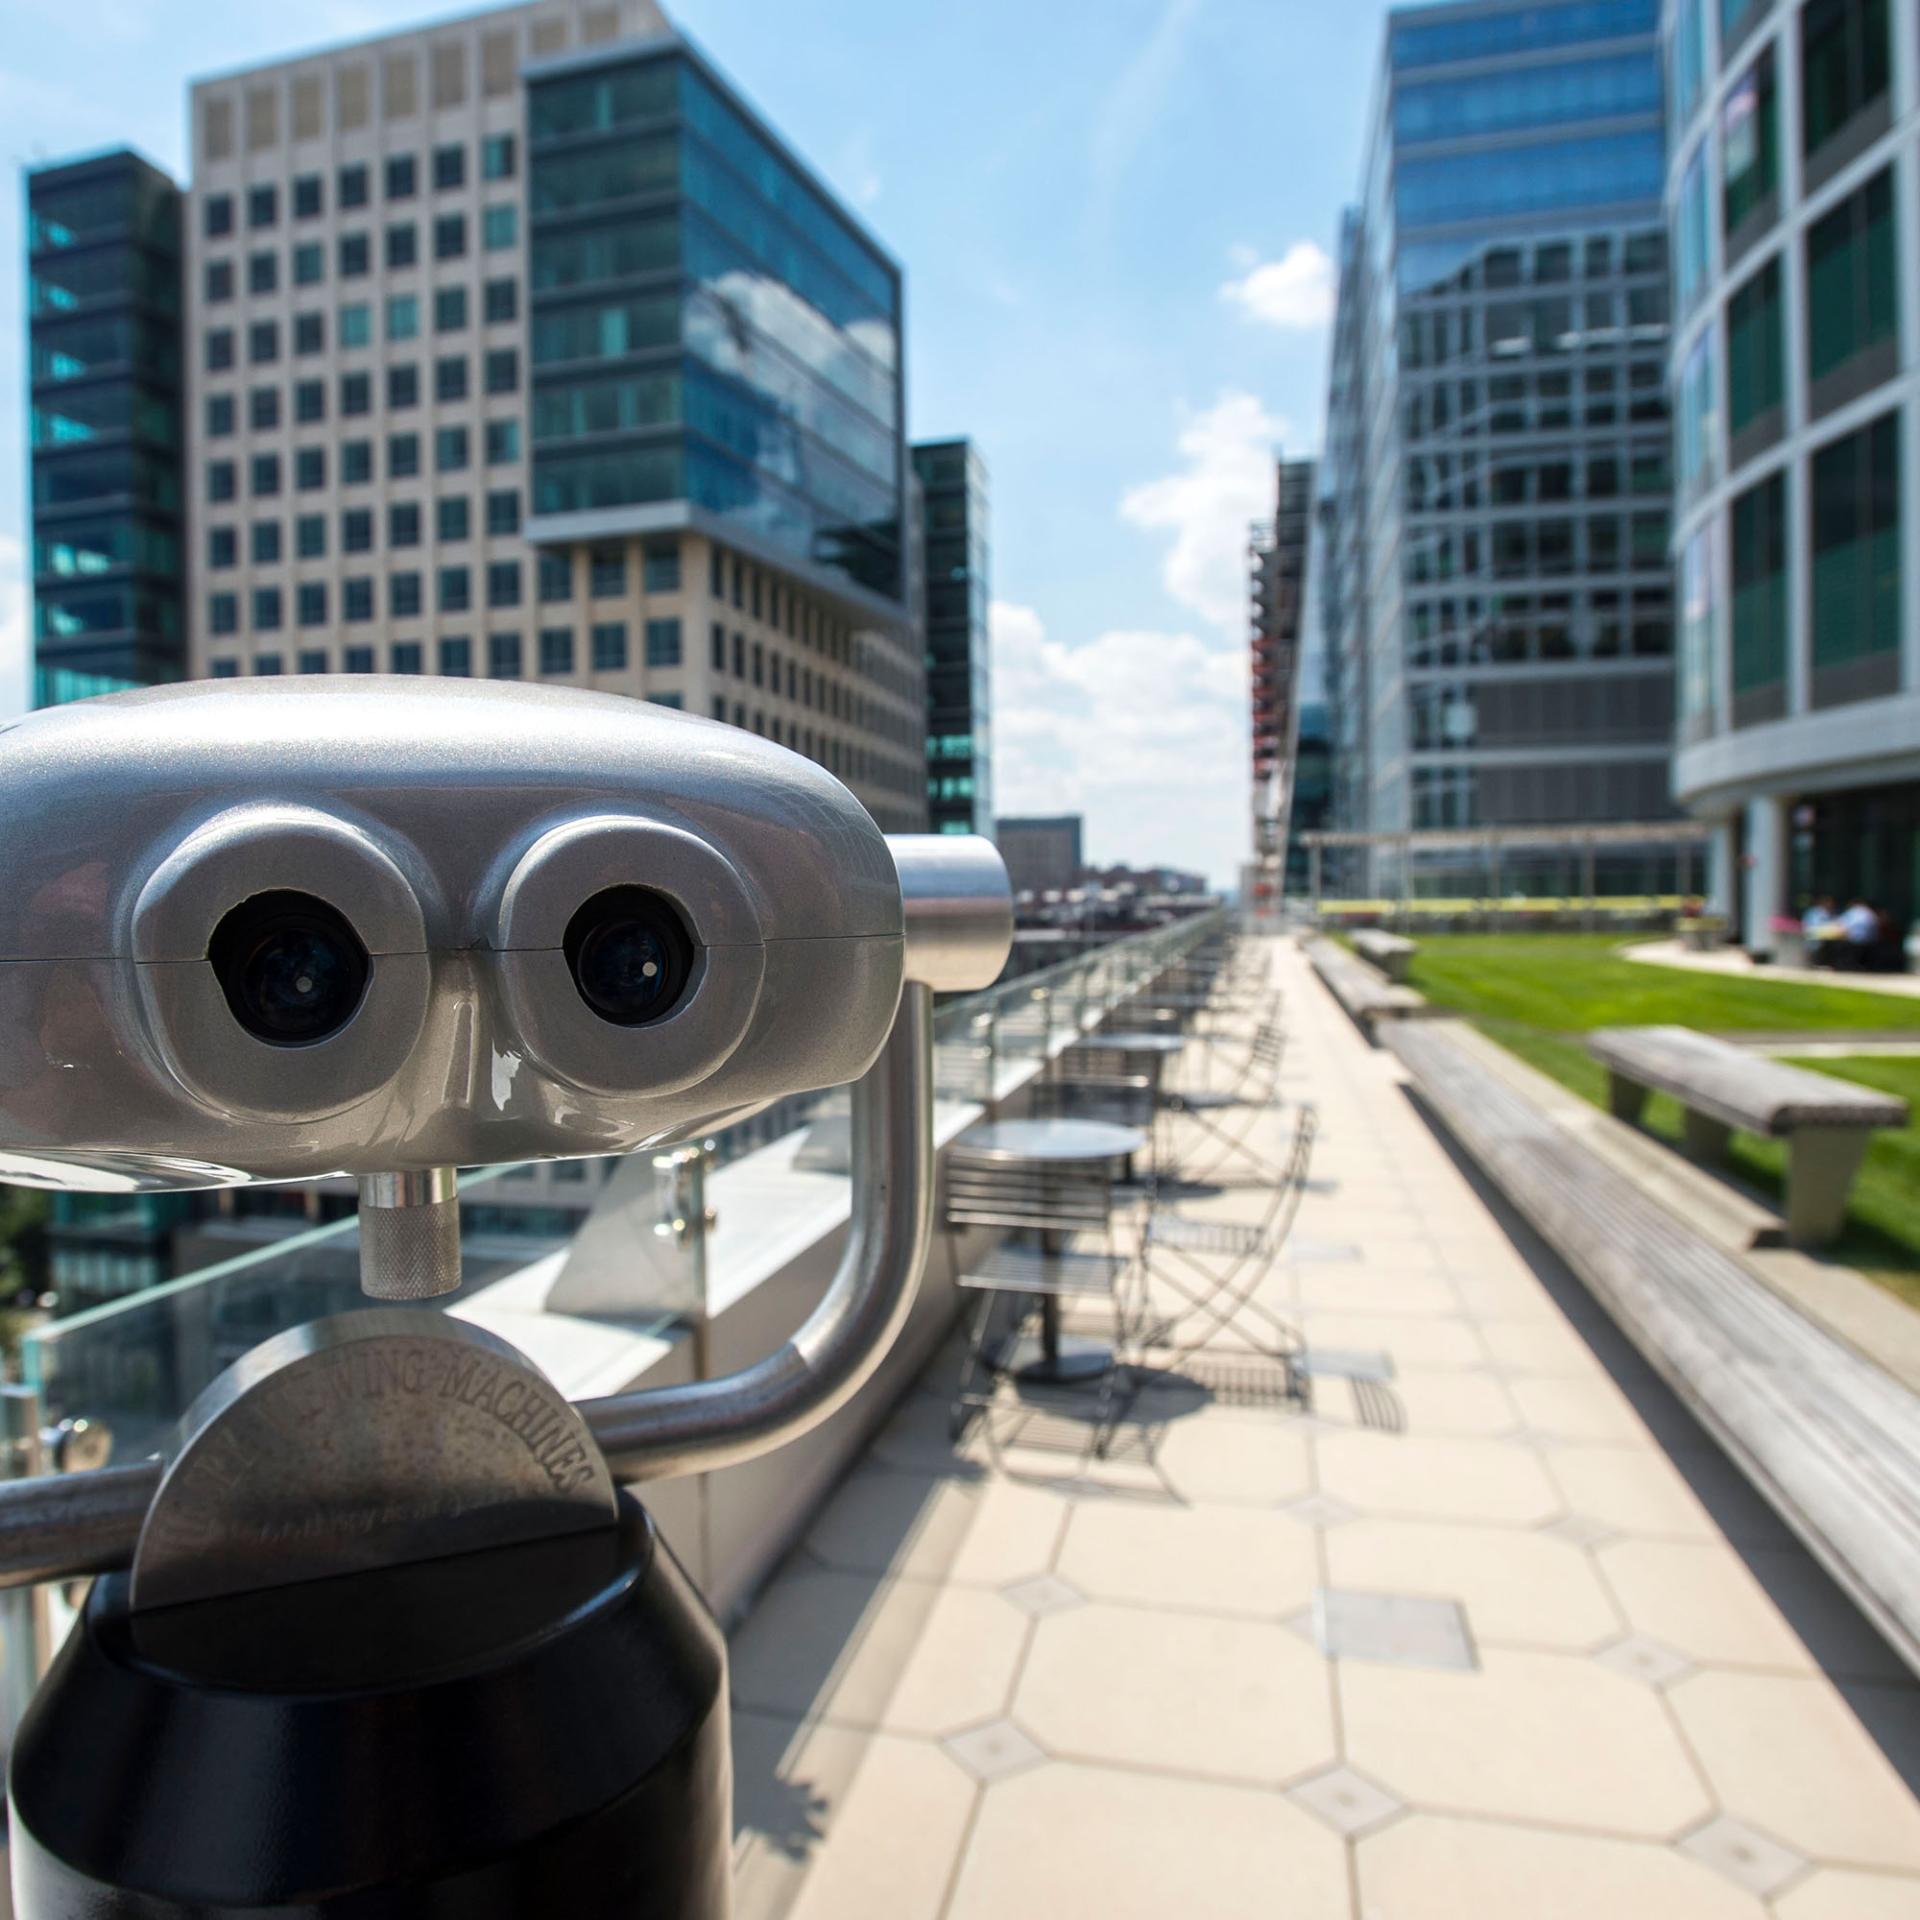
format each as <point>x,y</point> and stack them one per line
<point>708,326</point>
<point>1500,609</point>
<point>1805,721</point>
<point>953,509</point>
<point>104,378</point>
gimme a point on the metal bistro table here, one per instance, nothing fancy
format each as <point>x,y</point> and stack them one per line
<point>1059,1361</point>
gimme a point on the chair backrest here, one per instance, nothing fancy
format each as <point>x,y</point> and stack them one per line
<point>1126,1102</point>
<point>1036,1196</point>
<point>1292,1184</point>
<point>1091,1061</point>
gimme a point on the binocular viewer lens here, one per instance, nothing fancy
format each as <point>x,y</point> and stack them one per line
<point>629,955</point>
<point>292,969</point>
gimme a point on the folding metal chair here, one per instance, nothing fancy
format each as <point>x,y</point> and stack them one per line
<point>1214,1268</point>
<point>1250,1091</point>
<point>1056,1219</point>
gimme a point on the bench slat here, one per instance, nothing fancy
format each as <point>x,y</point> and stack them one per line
<point>1829,1439</point>
<point>1738,1088</point>
<point>1366,994</point>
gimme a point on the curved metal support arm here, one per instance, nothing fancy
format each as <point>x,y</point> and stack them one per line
<point>656,1434</point>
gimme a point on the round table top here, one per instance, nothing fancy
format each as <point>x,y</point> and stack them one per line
<point>1052,1140</point>
<point>1183,1002</point>
<point>1137,1042</point>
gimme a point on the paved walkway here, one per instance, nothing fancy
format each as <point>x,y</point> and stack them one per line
<point>1540,1654</point>
<point>1733,963</point>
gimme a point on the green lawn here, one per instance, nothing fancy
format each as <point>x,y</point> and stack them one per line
<point>1538,993</point>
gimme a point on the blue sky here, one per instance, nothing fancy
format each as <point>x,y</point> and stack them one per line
<point>1114,217</point>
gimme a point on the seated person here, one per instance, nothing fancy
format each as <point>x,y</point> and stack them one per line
<point>1861,926</point>
<point>1821,928</point>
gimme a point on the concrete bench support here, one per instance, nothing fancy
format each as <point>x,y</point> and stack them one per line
<point>1387,951</point>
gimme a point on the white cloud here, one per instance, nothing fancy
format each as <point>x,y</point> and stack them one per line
<point>1227,482</point>
<point>1294,293</point>
<point>1133,105</point>
<point>1142,732</point>
<point>14,675</point>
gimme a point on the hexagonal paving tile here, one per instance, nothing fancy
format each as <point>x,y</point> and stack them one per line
<point>1218,1559</point>
<point>1834,1893</point>
<point>1437,1478</point>
<point>1747,1857</point>
<point>1183,1692</point>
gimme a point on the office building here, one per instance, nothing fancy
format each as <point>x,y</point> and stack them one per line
<point>1792,188</point>
<point>1501,614</point>
<point>519,346</point>
<point>1277,570</point>
<point>104,386</point>
<point>1044,852</point>
<point>953,494</point>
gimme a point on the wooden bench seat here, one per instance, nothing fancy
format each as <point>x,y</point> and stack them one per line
<point>1830,1440</point>
<point>1366,994</point>
<point>1392,954</point>
<point>1724,1089</point>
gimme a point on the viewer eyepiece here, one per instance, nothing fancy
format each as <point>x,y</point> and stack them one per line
<point>629,955</point>
<point>292,968</point>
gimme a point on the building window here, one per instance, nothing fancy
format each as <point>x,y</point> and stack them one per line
<point>1756,354</point>
<point>267,664</point>
<point>403,317</point>
<point>607,572</point>
<point>1760,600</point>
<point>1697,429</point>
<point>309,401</point>
<point>1750,146</point>
<point>356,530</point>
<point>556,576</point>
<point>1689,59</point>
<point>456,657</point>
<point>610,647</point>
<point>503,370</point>
<point>503,513</point>
<point>218,281</point>
<point>500,228</point>
<point>263,206</point>
<point>450,237</point>
<point>309,469</point>
<point>217,216</point>
<point>663,643</point>
<point>356,395</point>
<point>353,188</point>
<point>1843,65</point>
<point>219,415</point>
<point>456,590</point>
<point>496,157</point>
<point>356,256</point>
<point>263,343</point>
<point>403,595</point>
<point>1856,564</point>
<point>403,387</point>
<point>403,176</point>
<point>310,536</point>
<point>503,583</point>
<point>263,409</point>
<point>403,523</point>
<point>403,456</point>
<point>503,442</point>
<point>357,599</point>
<point>1690,231</point>
<point>266,609</point>
<point>502,298</point>
<point>661,561</point>
<point>219,349</point>
<point>223,612</point>
<point>1852,270</point>
<point>309,264</point>
<point>403,247</point>
<point>556,649</point>
<point>357,659</point>
<point>356,325</point>
<point>356,463</point>
<point>406,653</point>
<point>450,378</point>
<point>717,646</point>
<point>308,202</point>
<point>449,168</point>
<point>310,333</point>
<point>311,602</point>
<point>313,660</point>
<point>223,548</point>
<point>263,272</point>
<point>451,450</point>
<point>503,656</point>
<point>265,476</point>
<point>450,309</point>
<point>226,669</point>
<point>452,520</point>
<point>265,544</point>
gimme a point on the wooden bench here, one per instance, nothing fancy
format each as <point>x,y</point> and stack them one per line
<point>1829,1439</point>
<point>1387,951</point>
<point>1367,996</point>
<point>1826,1123</point>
